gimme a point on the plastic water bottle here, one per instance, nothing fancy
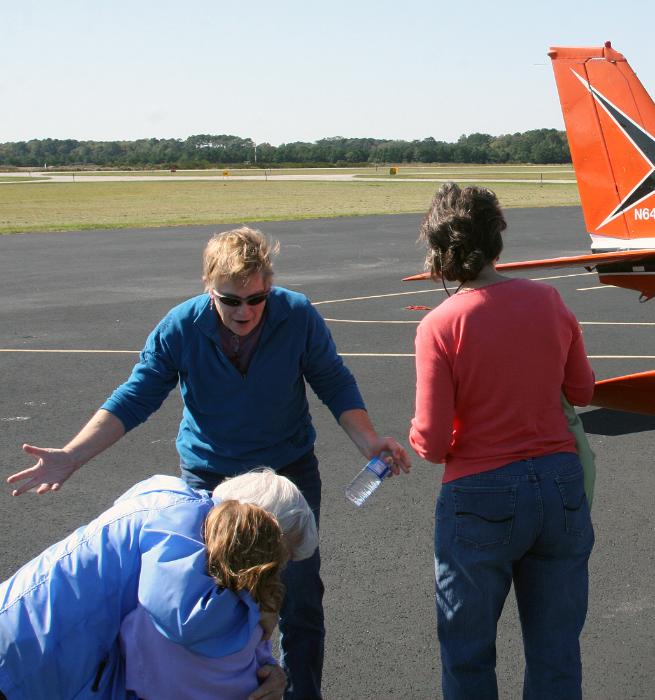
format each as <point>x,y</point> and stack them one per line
<point>368,480</point>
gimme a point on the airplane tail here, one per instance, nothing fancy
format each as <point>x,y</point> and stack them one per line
<point>610,122</point>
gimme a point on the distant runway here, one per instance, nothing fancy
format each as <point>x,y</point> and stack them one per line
<point>76,307</point>
<point>23,178</point>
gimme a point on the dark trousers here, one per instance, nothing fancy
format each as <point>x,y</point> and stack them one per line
<point>302,628</point>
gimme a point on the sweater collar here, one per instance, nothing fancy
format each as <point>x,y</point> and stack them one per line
<point>277,310</point>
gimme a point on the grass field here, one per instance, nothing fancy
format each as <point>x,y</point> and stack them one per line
<point>74,206</point>
<point>488,175</point>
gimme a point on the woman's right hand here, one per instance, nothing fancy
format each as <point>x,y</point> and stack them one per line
<point>52,469</point>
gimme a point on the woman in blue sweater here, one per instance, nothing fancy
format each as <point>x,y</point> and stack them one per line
<point>242,353</point>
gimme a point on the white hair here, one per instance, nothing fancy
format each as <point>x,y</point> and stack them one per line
<point>280,497</point>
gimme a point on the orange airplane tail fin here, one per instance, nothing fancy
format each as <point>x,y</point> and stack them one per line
<point>610,124</point>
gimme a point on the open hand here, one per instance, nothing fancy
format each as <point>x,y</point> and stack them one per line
<point>51,470</point>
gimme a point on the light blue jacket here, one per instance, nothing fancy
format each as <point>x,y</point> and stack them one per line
<point>60,614</point>
<point>232,422</point>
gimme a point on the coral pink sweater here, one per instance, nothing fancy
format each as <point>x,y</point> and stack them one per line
<point>490,366</point>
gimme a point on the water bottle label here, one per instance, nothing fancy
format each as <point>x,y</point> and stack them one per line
<point>378,467</point>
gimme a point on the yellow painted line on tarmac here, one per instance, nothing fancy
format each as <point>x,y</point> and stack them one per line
<point>98,352</point>
<point>135,352</point>
<point>416,322</point>
<point>560,277</point>
<point>377,354</point>
<point>352,320</point>
<point>378,296</point>
<point>343,354</point>
<point>367,321</point>
<point>401,354</point>
<point>437,289</point>
<point>616,323</point>
<point>621,357</point>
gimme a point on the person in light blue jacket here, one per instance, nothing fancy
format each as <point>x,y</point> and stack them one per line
<point>242,353</point>
<point>60,614</point>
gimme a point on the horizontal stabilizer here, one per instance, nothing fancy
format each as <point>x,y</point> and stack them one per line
<point>634,393</point>
<point>588,261</point>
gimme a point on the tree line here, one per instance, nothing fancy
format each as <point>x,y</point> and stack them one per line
<point>208,151</point>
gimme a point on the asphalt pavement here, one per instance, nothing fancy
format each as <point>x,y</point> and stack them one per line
<point>76,307</point>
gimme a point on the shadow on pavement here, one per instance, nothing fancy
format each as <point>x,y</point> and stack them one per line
<point>604,421</point>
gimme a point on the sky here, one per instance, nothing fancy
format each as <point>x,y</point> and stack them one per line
<point>297,70</point>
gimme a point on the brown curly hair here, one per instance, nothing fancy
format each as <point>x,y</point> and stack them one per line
<point>462,230</point>
<point>246,551</point>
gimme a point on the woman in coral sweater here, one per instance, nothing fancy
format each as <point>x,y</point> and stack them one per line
<point>492,362</point>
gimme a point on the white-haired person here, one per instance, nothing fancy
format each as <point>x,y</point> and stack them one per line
<point>242,353</point>
<point>61,613</point>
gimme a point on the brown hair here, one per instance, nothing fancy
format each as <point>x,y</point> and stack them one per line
<point>246,551</point>
<point>462,230</point>
<point>237,255</point>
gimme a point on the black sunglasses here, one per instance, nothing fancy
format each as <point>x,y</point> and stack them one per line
<point>253,300</point>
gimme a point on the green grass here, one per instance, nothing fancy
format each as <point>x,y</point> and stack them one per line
<point>69,206</point>
<point>481,167</point>
<point>484,172</point>
<point>482,177</point>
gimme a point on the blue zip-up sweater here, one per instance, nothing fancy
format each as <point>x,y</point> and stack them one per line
<point>233,422</point>
<point>60,614</point>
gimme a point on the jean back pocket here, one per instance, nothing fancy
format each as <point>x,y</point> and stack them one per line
<point>576,509</point>
<point>484,515</point>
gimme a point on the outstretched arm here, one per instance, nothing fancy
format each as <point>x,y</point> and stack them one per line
<point>55,466</point>
<point>152,378</point>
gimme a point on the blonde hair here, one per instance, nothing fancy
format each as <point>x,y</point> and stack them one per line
<point>246,551</point>
<point>283,499</point>
<point>237,255</point>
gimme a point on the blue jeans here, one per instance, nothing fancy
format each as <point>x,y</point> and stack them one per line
<point>527,522</point>
<point>302,628</point>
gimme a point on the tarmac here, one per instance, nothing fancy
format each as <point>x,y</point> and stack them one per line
<point>76,307</point>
